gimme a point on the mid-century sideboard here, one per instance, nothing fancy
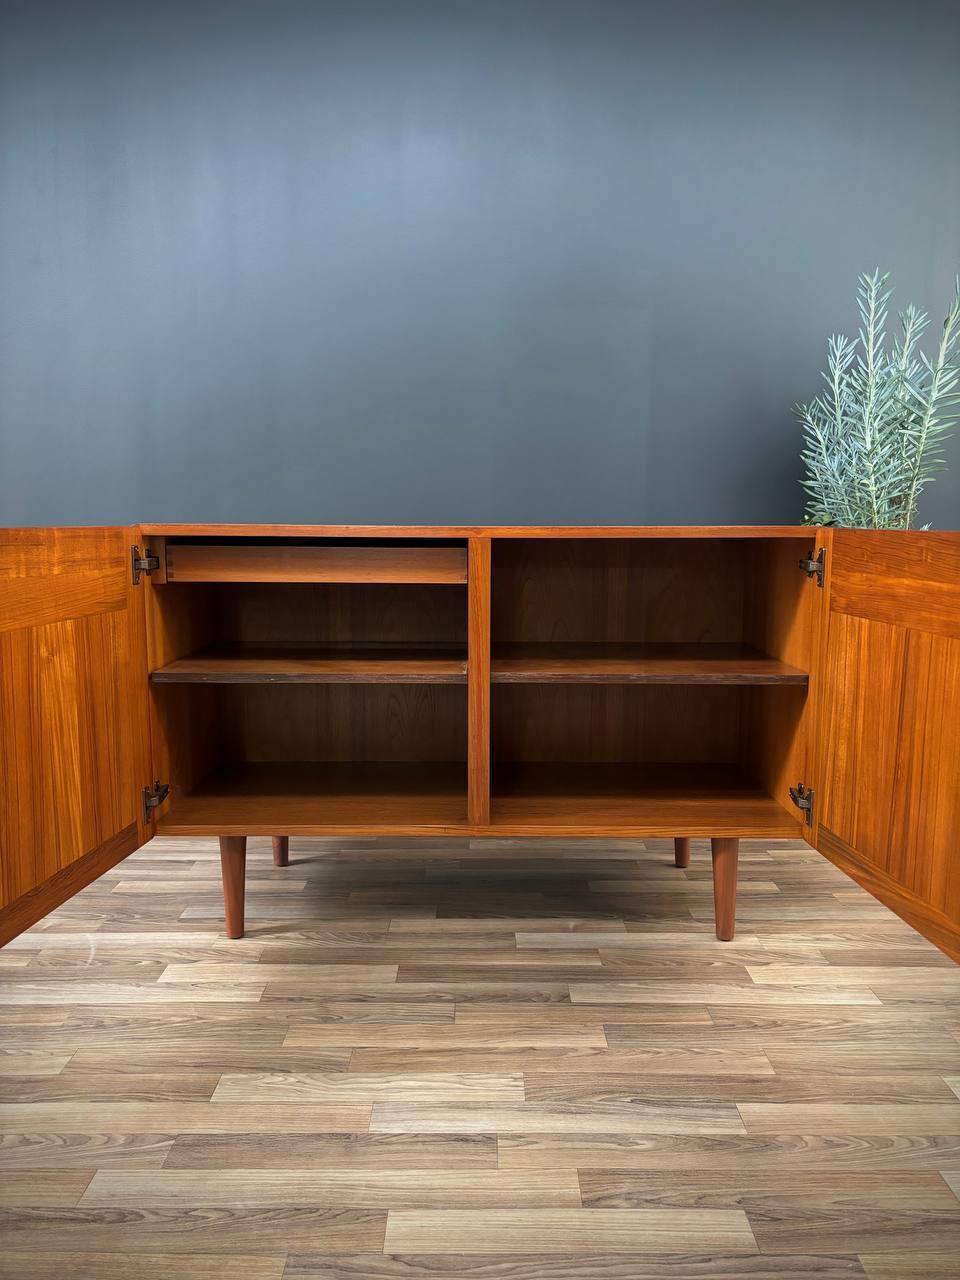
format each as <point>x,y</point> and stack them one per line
<point>285,680</point>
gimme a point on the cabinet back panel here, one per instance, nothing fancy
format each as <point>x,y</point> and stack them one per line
<point>557,722</point>
<point>347,615</point>
<point>659,590</point>
<point>344,722</point>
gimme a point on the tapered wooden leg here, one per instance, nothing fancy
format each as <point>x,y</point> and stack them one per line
<point>681,851</point>
<point>233,865</point>
<point>281,851</point>
<point>725,886</point>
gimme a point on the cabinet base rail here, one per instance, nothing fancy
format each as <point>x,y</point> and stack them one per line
<point>724,851</point>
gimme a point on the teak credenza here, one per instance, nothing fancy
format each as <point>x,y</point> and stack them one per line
<point>236,680</point>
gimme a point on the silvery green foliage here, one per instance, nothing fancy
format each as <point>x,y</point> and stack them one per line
<point>874,437</point>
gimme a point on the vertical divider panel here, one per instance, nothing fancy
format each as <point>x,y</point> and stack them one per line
<point>478,681</point>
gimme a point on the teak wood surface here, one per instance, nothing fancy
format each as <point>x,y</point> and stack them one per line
<point>632,663</point>
<point>443,1059</point>
<point>549,531</point>
<point>889,730</point>
<point>263,664</point>
<point>200,562</point>
<point>73,714</point>
<point>601,681</point>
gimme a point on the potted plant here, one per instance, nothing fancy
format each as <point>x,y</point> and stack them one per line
<point>874,437</point>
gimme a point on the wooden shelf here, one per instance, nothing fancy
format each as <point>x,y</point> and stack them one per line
<point>323,799</point>
<point>430,799</point>
<point>317,664</point>
<point>275,562</point>
<point>634,799</point>
<point>727,664</point>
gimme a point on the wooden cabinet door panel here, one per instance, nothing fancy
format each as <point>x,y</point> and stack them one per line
<point>925,836</point>
<point>863,672</point>
<point>73,714</point>
<point>888,735</point>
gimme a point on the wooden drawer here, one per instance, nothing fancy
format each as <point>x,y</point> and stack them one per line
<point>226,562</point>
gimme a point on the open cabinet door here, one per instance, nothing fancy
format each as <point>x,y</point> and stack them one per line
<point>74,733</point>
<point>887,777</point>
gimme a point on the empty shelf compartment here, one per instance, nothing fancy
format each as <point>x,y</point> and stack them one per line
<point>278,562</point>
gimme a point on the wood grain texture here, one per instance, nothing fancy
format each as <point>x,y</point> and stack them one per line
<point>52,1188</point>
<point>581,1266</point>
<point>478,709</point>
<point>567,1230</point>
<point>392,1077</point>
<point>182,1117</point>
<point>658,992</point>
<point>233,863</point>
<point>703,1119</point>
<point>851,1117</point>
<point>623,799</point>
<point>583,620</point>
<point>334,1188</point>
<point>380,1087</point>
<point>53,575</point>
<point>367,1152</point>
<point>859,735</point>
<point>925,823</point>
<point>266,664</point>
<point>783,616</point>
<point>733,1155</point>
<point>44,897</point>
<point>95,1265</point>
<point>888,730</point>
<point>921,1265</point>
<point>336,723</point>
<point>73,713</point>
<point>303,799</point>
<point>188,1231</point>
<point>619,590</point>
<point>911,579</point>
<point>626,663</point>
<point>443,1037</point>
<point>725,854</point>
<point>298,1105</point>
<point>941,929</point>
<point>348,616</point>
<point>275,562</point>
<point>389,531</point>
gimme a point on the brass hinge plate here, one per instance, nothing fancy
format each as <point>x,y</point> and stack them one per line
<point>153,797</point>
<point>815,566</point>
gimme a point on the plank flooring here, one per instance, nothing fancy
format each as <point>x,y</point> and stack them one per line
<point>504,1061</point>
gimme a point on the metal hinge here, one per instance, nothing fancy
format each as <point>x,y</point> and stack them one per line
<point>142,563</point>
<point>814,568</point>
<point>153,797</point>
<point>802,797</point>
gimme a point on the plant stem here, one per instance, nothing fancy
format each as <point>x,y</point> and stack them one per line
<point>936,378</point>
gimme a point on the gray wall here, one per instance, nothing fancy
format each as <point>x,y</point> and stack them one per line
<point>451,260</point>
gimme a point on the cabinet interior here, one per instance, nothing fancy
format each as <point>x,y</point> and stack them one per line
<point>636,684</point>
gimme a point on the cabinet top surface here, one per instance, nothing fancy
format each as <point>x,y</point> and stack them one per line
<point>476,531</point>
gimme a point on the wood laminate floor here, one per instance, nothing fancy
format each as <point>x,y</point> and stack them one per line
<point>503,1062</point>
